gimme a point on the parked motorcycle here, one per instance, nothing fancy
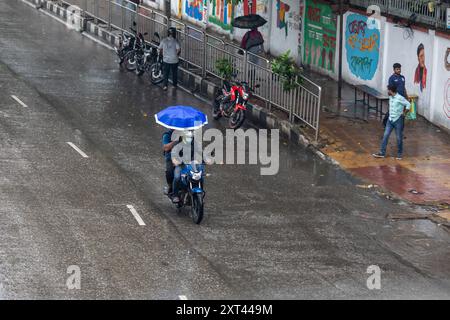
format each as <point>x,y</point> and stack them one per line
<point>131,58</point>
<point>156,69</point>
<point>147,55</point>
<point>231,101</point>
<point>192,193</point>
<point>126,44</point>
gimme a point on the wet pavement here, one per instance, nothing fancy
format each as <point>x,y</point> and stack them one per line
<point>351,135</point>
<point>308,232</point>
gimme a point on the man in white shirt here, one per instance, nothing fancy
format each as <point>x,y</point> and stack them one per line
<point>170,50</point>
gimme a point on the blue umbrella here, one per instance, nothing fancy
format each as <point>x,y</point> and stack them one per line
<point>181,118</point>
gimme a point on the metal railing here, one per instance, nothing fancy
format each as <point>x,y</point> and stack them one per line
<point>433,14</point>
<point>200,52</point>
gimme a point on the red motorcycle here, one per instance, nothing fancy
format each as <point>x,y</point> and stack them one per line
<point>231,101</point>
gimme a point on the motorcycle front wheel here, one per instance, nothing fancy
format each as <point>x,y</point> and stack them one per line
<point>197,207</point>
<point>237,119</point>
<point>130,61</point>
<point>156,73</point>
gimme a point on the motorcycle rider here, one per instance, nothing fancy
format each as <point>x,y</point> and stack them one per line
<point>174,163</point>
<point>168,145</point>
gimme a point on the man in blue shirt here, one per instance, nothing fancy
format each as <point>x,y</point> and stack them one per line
<point>398,106</point>
<point>398,80</point>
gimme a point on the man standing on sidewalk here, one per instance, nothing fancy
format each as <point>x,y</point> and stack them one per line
<point>170,50</point>
<point>398,106</point>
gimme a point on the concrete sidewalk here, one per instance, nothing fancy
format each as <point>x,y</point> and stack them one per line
<point>350,135</point>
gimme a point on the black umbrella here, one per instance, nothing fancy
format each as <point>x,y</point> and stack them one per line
<point>249,22</point>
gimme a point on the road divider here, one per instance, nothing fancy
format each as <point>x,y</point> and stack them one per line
<point>84,155</point>
<point>136,215</point>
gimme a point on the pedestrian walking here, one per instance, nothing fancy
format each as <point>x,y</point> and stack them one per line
<point>170,49</point>
<point>253,42</point>
<point>398,107</point>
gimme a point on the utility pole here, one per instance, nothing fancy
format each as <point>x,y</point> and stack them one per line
<point>341,36</point>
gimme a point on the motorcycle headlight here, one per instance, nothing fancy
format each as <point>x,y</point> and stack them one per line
<point>196,175</point>
<point>245,95</point>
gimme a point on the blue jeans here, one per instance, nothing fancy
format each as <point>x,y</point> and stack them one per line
<point>390,126</point>
<point>176,180</point>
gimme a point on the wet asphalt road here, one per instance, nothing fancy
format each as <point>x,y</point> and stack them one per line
<point>307,232</point>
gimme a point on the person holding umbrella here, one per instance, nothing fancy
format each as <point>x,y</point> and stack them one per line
<point>182,121</point>
<point>253,40</point>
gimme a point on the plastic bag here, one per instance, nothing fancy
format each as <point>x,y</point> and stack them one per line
<point>412,114</point>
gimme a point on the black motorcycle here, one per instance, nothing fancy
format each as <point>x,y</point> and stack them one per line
<point>147,56</point>
<point>126,44</point>
<point>136,55</point>
<point>156,70</point>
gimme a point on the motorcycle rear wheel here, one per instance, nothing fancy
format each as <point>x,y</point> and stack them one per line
<point>197,207</point>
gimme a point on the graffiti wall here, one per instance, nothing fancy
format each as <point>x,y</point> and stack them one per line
<point>415,53</point>
<point>319,36</point>
<point>221,14</point>
<point>285,27</point>
<point>440,84</point>
<point>194,9</point>
<point>362,46</point>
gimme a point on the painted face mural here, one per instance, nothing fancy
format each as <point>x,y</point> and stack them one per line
<point>447,99</point>
<point>363,47</point>
<point>420,76</point>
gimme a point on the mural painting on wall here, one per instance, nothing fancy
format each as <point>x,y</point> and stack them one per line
<point>447,86</point>
<point>282,10</point>
<point>319,36</point>
<point>194,9</point>
<point>221,14</point>
<point>363,47</point>
<point>420,75</point>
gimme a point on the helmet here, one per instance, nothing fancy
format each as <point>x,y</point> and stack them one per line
<point>172,32</point>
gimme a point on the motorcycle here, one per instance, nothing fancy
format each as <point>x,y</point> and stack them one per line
<point>156,69</point>
<point>191,189</point>
<point>147,55</point>
<point>231,101</point>
<point>131,57</point>
<point>126,44</point>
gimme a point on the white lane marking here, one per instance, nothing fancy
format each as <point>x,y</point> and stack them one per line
<point>136,215</point>
<point>19,101</point>
<point>87,35</point>
<point>182,297</point>
<point>84,155</point>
